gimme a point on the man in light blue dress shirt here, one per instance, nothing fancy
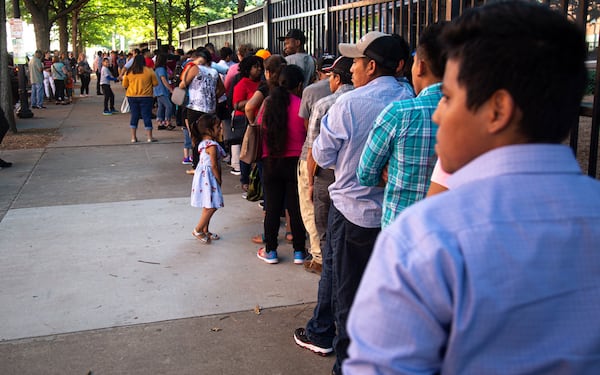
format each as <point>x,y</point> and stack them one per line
<point>501,273</point>
<point>355,214</point>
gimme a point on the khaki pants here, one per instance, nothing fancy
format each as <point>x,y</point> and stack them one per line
<point>307,211</point>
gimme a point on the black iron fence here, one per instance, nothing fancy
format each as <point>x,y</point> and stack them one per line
<point>329,22</point>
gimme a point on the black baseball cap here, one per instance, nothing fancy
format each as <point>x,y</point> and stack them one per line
<point>294,34</point>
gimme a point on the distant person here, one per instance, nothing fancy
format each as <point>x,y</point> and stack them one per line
<point>84,71</point>
<point>139,82</point>
<point>97,66</point>
<point>206,186</point>
<point>106,77</point>
<point>59,75</point>
<point>36,76</point>
<point>500,273</point>
<point>400,148</point>
<point>295,54</point>
<point>163,92</point>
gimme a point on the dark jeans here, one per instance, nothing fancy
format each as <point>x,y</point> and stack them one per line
<point>280,184</point>
<point>85,84</point>
<point>59,95</point>
<point>351,247</point>
<point>98,83</point>
<point>245,170</point>
<point>109,98</point>
<point>140,106</point>
<point>320,329</point>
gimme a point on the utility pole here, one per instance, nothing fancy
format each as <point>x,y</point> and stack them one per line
<point>24,111</point>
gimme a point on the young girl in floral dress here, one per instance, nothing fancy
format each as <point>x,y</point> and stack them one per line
<point>206,186</point>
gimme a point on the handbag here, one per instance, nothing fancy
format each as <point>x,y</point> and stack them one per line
<point>178,96</point>
<point>255,188</point>
<point>251,144</point>
<point>125,106</point>
<point>235,132</point>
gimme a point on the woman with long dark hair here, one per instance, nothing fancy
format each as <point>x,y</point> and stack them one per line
<point>139,82</point>
<point>284,135</point>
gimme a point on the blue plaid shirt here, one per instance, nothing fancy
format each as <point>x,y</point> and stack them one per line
<point>403,137</point>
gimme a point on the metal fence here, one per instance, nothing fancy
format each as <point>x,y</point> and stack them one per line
<point>329,22</point>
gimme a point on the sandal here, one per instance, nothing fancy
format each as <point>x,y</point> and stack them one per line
<point>289,237</point>
<point>201,236</point>
<point>259,239</point>
<point>212,236</point>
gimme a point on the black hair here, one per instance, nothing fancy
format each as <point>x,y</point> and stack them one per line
<point>529,50</point>
<point>247,63</point>
<point>225,52</point>
<point>430,48</point>
<point>139,62</point>
<point>276,109</point>
<point>204,125</point>
<point>202,52</point>
<point>161,60</point>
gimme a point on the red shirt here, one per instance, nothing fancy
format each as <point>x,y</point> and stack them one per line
<point>244,90</point>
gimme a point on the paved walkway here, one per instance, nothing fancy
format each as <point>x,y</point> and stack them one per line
<point>100,271</point>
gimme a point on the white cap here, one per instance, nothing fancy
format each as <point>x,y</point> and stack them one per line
<point>358,49</point>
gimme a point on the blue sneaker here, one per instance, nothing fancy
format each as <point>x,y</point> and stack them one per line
<point>267,256</point>
<point>114,111</point>
<point>299,257</point>
<point>107,113</point>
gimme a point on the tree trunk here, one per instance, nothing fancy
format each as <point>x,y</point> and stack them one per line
<point>6,89</point>
<point>63,34</point>
<point>241,6</point>
<point>75,33</point>
<point>188,15</point>
<point>41,26</point>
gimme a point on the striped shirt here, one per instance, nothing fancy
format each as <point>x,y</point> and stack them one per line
<point>403,137</point>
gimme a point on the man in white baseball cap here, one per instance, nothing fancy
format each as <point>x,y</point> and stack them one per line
<point>355,214</point>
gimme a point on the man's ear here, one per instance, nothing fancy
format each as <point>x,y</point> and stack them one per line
<point>421,67</point>
<point>502,111</point>
<point>400,67</point>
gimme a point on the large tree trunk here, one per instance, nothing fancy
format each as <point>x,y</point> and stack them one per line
<point>241,6</point>
<point>6,89</point>
<point>63,34</point>
<point>75,33</point>
<point>41,24</point>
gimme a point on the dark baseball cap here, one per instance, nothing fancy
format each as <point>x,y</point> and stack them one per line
<point>341,66</point>
<point>325,62</point>
<point>294,34</point>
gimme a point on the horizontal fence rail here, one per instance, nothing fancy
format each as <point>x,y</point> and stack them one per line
<point>326,23</point>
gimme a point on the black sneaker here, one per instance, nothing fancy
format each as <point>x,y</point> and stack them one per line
<point>5,164</point>
<point>303,341</point>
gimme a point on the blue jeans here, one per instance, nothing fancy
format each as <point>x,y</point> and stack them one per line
<point>37,94</point>
<point>320,329</point>
<point>140,105</point>
<point>351,247</point>
<point>165,108</point>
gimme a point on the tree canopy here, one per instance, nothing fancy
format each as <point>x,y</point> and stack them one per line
<point>96,22</point>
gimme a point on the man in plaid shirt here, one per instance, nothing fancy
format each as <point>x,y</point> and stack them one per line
<point>400,148</point>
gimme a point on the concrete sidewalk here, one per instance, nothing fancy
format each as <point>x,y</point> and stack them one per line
<point>100,271</point>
